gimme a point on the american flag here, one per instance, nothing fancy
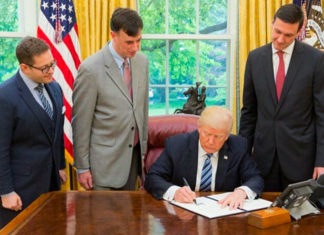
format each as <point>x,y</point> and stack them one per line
<point>57,26</point>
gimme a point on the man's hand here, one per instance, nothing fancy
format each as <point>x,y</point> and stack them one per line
<point>317,172</point>
<point>184,194</point>
<point>62,176</point>
<point>234,200</point>
<point>85,179</point>
<point>12,202</point>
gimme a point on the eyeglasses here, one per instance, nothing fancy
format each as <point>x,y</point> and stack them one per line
<point>45,69</point>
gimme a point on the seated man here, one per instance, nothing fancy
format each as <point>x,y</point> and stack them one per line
<point>210,159</point>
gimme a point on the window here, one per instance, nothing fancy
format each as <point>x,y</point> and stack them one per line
<point>187,42</point>
<point>17,19</point>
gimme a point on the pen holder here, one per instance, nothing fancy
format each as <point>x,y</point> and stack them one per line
<point>269,217</point>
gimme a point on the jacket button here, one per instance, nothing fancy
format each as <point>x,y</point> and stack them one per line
<point>130,145</point>
<point>133,128</point>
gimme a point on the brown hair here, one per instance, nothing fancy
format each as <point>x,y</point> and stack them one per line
<point>28,47</point>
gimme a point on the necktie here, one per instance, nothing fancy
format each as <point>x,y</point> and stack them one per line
<point>128,82</point>
<point>206,175</point>
<point>128,78</point>
<point>280,79</point>
<point>46,105</point>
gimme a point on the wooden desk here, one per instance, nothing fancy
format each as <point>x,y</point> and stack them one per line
<point>99,212</point>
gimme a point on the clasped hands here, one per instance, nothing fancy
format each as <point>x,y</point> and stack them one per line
<point>234,200</point>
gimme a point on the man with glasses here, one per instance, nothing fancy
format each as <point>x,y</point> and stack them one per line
<point>31,130</point>
<point>208,159</point>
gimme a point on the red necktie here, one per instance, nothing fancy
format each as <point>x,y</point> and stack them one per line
<point>128,82</point>
<point>280,79</point>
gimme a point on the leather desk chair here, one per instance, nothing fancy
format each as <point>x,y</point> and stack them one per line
<point>160,128</point>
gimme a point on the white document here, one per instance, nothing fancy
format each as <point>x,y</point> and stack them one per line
<point>208,206</point>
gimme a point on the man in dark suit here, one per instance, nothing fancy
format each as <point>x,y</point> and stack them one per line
<point>283,104</point>
<point>210,159</point>
<point>31,137</point>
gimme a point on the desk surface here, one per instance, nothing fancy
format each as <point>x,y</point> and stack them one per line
<point>115,212</point>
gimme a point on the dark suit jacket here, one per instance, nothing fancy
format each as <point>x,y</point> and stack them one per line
<point>31,144</point>
<point>293,127</point>
<point>180,157</point>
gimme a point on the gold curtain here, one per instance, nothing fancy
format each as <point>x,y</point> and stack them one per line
<point>93,18</point>
<point>255,18</point>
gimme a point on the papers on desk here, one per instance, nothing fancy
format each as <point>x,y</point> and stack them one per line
<point>208,206</point>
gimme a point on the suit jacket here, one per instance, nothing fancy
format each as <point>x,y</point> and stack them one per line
<point>292,128</point>
<point>104,117</point>
<point>180,158</point>
<point>31,144</point>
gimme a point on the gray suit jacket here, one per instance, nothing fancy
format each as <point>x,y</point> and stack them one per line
<point>104,117</point>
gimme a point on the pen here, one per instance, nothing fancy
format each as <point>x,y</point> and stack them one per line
<point>187,184</point>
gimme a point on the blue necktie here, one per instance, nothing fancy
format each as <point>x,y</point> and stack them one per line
<point>46,105</point>
<point>206,175</point>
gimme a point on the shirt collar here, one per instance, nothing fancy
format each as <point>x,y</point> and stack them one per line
<point>288,50</point>
<point>202,152</point>
<point>119,60</point>
<point>30,83</point>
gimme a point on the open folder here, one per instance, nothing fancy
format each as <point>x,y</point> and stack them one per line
<point>208,206</point>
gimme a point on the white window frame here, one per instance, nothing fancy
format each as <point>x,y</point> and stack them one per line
<point>28,12</point>
<point>230,36</point>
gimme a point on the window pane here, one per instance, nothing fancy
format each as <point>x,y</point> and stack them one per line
<point>182,16</point>
<point>155,51</point>
<point>182,62</point>
<point>212,16</point>
<point>216,96</point>
<point>9,15</point>
<point>157,101</point>
<point>153,15</point>
<point>212,62</point>
<point>8,61</point>
<point>176,98</point>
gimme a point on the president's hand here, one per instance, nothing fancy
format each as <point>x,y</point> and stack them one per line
<point>85,179</point>
<point>317,172</point>
<point>12,202</point>
<point>62,176</point>
<point>184,194</point>
<point>234,200</point>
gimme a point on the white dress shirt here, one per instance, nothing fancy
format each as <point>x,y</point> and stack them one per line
<point>286,56</point>
<point>169,194</point>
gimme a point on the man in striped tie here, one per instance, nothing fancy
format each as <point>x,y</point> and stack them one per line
<point>208,159</point>
<point>31,138</point>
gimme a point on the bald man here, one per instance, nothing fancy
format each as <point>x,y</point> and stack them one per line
<point>210,159</point>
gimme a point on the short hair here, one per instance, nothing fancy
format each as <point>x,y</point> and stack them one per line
<point>216,117</point>
<point>290,13</point>
<point>29,47</point>
<point>127,20</point>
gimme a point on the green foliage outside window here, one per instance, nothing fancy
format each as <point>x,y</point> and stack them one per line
<point>8,23</point>
<point>185,61</point>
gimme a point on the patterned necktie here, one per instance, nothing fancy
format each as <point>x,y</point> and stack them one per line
<point>128,78</point>
<point>280,79</point>
<point>128,82</point>
<point>46,105</point>
<point>206,175</point>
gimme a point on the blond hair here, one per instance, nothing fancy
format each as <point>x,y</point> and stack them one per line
<point>216,117</point>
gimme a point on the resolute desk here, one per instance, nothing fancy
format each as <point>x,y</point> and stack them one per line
<point>124,212</point>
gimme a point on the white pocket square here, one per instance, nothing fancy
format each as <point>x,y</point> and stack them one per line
<point>63,109</point>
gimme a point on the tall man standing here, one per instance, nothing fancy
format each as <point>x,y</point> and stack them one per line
<point>110,110</point>
<point>31,130</point>
<point>283,108</point>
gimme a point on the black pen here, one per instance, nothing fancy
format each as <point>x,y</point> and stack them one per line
<point>187,184</point>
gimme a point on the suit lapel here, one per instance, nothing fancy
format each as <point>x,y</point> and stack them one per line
<point>38,111</point>
<point>223,161</point>
<point>192,159</point>
<point>113,72</point>
<point>294,65</point>
<point>268,71</point>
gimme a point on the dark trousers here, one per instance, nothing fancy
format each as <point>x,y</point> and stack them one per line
<point>6,216</point>
<point>276,181</point>
<point>135,170</point>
